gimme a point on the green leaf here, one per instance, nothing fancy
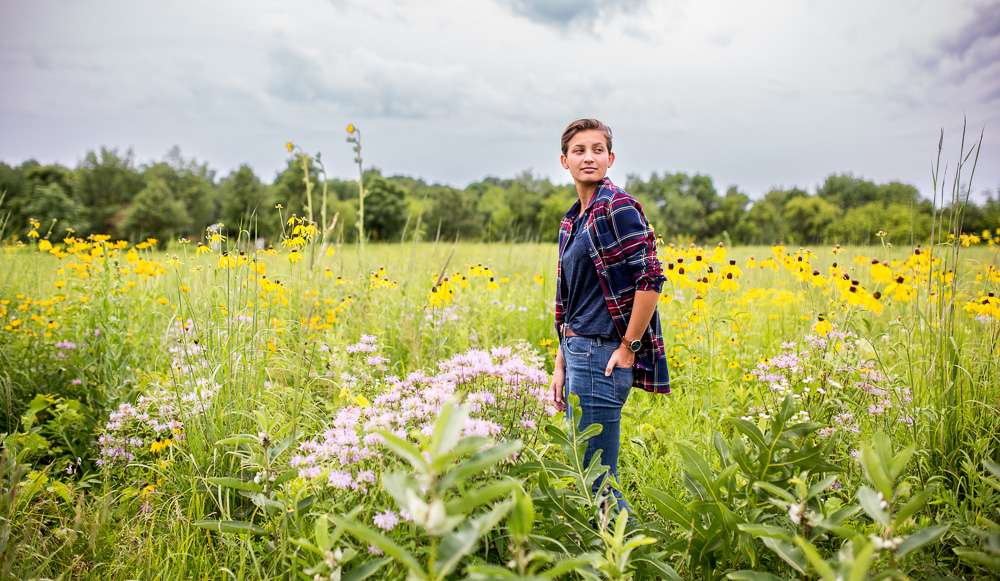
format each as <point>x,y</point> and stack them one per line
<point>459,543</point>
<point>478,463</point>
<point>872,504</point>
<point>448,428</point>
<point>522,518</point>
<point>696,465</point>
<point>235,483</point>
<point>321,531</point>
<point>780,493</point>
<point>663,568</point>
<point>993,467</point>
<point>280,446</point>
<point>900,460</point>
<point>231,527</point>
<point>237,439</point>
<point>788,552</point>
<point>978,557</point>
<point>767,531</point>
<point>365,571</point>
<point>404,490</point>
<point>473,499</point>
<point>875,468</point>
<point>816,560</point>
<point>913,505</point>
<point>751,431</point>
<point>406,450</point>
<point>669,508</point>
<point>388,546</point>
<point>752,576</point>
<point>921,538</point>
<point>862,559</point>
<point>821,486</point>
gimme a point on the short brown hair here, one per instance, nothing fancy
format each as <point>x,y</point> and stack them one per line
<point>584,125</point>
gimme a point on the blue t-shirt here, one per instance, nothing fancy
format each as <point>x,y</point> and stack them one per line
<point>587,312</point>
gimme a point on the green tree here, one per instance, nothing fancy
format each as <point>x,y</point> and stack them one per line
<point>904,224</point>
<point>106,183</point>
<point>246,203</point>
<point>385,209</point>
<point>808,218</point>
<point>156,212</point>
<point>453,214</point>
<point>846,191</point>
<point>47,195</point>
<point>729,217</point>
<point>190,183</point>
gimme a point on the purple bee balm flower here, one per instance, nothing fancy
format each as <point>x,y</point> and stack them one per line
<point>386,520</point>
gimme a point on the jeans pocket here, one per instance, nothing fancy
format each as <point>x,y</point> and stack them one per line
<point>622,377</point>
<point>576,346</point>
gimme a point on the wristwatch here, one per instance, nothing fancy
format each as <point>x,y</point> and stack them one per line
<point>633,346</point>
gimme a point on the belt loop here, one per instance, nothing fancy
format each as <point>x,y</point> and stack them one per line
<point>599,341</point>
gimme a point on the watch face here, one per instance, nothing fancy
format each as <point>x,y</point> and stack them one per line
<point>635,346</point>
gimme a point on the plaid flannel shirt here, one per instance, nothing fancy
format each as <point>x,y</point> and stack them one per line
<point>623,248</point>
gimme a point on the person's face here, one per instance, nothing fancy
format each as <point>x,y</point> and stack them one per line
<point>587,157</point>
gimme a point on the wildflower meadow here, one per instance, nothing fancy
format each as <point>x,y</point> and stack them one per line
<point>314,409</point>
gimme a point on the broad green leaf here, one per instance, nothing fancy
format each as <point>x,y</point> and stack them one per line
<point>280,446</point>
<point>875,470</point>
<point>231,527</point>
<point>751,431</point>
<point>235,483</point>
<point>522,518</point>
<point>862,559</point>
<point>662,567</point>
<point>387,545</point>
<point>978,557</point>
<point>406,450</point>
<point>448,428</point>
<point>816,560</point>
<point>237,439</point>
<point>769,531</point>
<point>780,493</point>
<point>821,486</point>
<point>721,448</point>
<point>913,505</point>
<point>457,544</point>
<point>478,463</point>
<point>321,531</point>
<point>365,571</point>
<point>803,429</point>
<point>899,462</point>
<point>669,508</point>
<point>921,538</point>
<point>473,499</point>
<point>872,504</point>
<point>788,552</point>
<point>696,465</point>
<point>753,576</point>
<point>993,467</point>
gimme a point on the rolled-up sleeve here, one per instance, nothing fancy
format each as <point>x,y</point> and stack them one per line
<point>638,244</point>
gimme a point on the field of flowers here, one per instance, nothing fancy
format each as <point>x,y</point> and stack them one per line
<point>314,411</point>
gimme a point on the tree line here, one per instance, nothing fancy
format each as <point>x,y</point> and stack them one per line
<point>109,193</point>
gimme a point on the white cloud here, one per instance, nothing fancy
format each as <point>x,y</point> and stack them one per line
<point>754,94</point>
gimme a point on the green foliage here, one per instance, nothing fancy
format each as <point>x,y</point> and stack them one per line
<point>246,203</point>
<point>105,185</point>
<point>579,527</point>
<point>386,210</point>
<point>156,213</point>
<point>443,494</point>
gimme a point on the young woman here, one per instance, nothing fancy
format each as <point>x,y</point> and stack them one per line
<point>608,282</point>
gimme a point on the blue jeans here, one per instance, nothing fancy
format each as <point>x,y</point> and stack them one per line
<point>601,399</point>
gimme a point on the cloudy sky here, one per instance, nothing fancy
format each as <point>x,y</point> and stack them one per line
<point>753,94</point>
